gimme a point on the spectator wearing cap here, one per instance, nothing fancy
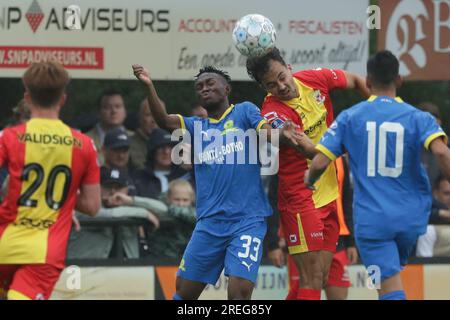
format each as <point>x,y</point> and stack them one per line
<point>139,141</point>
<point>154,180</point>
<point>111,115</point>
<point>97,242</point>
<point>116,152</point>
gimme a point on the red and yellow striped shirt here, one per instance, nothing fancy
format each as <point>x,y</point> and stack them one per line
<point>47,162</point>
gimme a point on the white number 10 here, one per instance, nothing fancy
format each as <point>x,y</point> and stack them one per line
<point>383,170</point>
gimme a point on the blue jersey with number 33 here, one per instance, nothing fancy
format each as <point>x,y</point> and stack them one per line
<point>384,138</point>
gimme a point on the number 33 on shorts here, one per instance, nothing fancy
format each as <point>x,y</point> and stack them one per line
<point>251,247</point>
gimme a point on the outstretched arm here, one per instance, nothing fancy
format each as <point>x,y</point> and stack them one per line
<point>442,154</point>
<point>166,121</point>
<point>357,82</point>
<point>291,136</point>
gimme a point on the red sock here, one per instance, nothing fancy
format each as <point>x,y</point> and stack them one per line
<point>308,294</point>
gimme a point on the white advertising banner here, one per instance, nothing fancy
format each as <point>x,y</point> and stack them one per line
<point>421,282</point>
<point>175,38</point>
<point>272,284</point>
<point>105,283</point>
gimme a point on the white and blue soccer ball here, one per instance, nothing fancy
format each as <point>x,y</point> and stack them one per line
<point>254,35</point>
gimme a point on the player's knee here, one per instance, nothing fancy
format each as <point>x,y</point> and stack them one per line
<point>243,293</point>
<point>240,290</point>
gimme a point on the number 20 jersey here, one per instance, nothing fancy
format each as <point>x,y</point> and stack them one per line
<point>47,162</point>
<point>385,138</point>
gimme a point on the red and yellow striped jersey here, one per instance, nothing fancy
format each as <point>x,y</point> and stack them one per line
<point>47,162</point>
<point>313,112</point>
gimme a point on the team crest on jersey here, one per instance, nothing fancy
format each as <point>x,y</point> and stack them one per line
<point>318,96</point>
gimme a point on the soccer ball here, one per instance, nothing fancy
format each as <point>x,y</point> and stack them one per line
<point>254,35</point>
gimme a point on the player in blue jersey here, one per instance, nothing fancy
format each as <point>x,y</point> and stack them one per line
<point>384,138</point>
<point>231,204</point>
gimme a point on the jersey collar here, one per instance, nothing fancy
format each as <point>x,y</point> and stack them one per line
<point>211,120</point>
<point>373,97</point>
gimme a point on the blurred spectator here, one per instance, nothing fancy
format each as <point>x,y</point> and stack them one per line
<point>154,180</point>
<point>139,140</point>
<point>111,115</point>
<point>199,111</point>
<point>97,242</point>
<point>21,113</point>
<point>428,159</point>
<point>436,241</point>
<point>116,152</point>
<point>171,239</point>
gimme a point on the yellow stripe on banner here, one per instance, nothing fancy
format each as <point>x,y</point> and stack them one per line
<point>16,295</point>
<point>330,155</point>
<point>26,240</point>
<point>434,136</point>
<point>303,246</point>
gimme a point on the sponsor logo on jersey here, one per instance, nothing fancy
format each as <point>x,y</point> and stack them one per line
<point>49,139</point>
<point>275,121</point>
<point>228,127</point>
<point>317,234</point>
<point>247,265</point>
<point>316,125</point>
<point>34,223</point>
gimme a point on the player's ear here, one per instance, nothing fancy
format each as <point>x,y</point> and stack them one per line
<point>227,89</point>
<point>289,66</point>
<point>27,98</point>
<point>398,81</point>
<point>62,100</point>
<point>368,83</point>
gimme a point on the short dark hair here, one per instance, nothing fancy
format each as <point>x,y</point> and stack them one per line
<point>257,67</point>
<point>211,69</point>
<point>383,68</point>
<point>46,82</point>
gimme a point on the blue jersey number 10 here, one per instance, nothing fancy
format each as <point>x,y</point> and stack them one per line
<point>383,169</point>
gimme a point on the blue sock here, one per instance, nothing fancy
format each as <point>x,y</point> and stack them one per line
<point>394,295</point>
<point>177,297</point>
